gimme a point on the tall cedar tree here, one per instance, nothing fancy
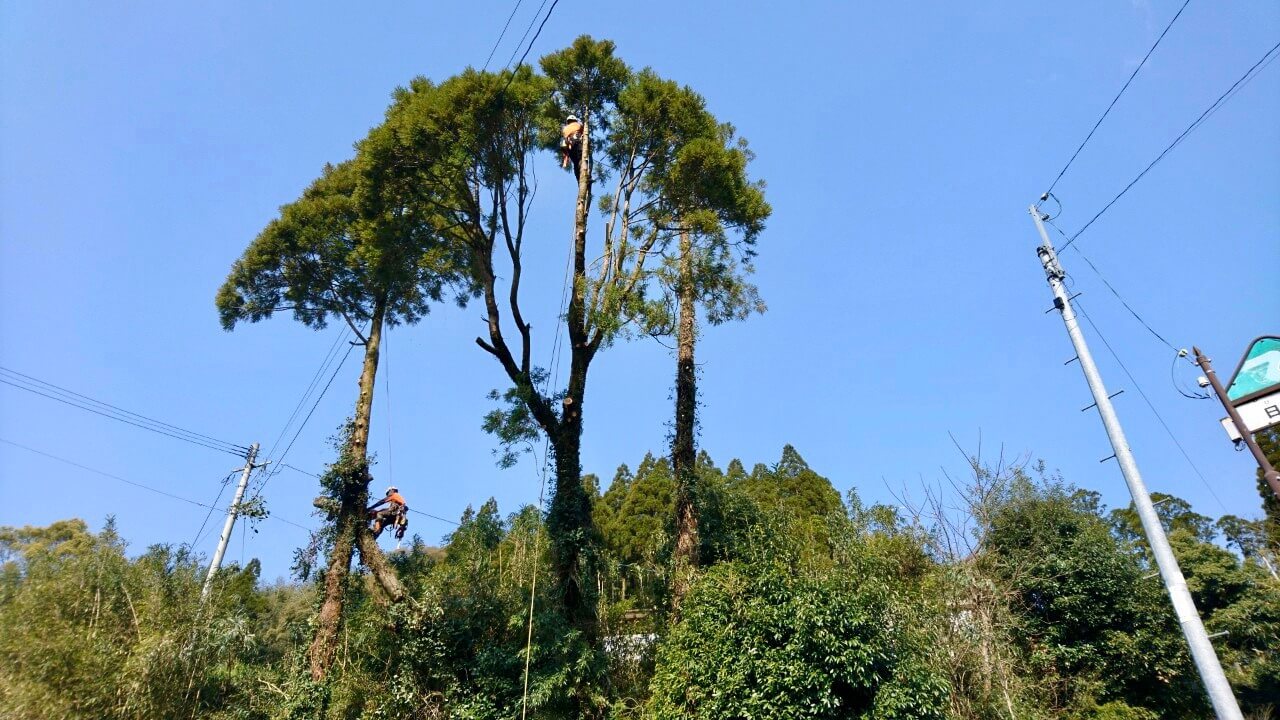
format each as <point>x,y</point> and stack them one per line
<point>341,251</point>
<point>700,198</point>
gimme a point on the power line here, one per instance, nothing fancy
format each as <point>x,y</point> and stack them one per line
<point>527,30</point>
<point>1173,378</point>
<point>222,487</point>
<point>501,35</point>
<point>79,397</point>
<point>434,517</point>
<point>1150,405</point>
<point>230,449</point>
<point>1114,100</point>
<point>149,488</point>
<point>1115,292</point>
<point>535,35</point>
<point>329,357</point>
<point>272,473</point>
<point>547,17</point>
<point>1222,99</point>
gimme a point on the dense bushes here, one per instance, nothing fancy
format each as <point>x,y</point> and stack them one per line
<point>1032,602</point>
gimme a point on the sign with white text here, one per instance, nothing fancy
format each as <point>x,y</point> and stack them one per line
<point>1257,414</point>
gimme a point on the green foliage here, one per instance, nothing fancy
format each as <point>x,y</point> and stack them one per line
<point>86,632</point>
<point>792,485</point>
<point>763,641</point>
<point>334,254</point>
<point>1086,612</point>
<point>1269,443</point>
<point>587,78</point>
<point>638,530</point>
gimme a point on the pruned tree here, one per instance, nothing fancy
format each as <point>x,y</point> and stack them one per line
<point>370,257</point>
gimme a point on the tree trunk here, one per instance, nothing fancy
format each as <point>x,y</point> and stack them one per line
<point>683,458</point>
<point>569,518</point>
<point>351,522</point>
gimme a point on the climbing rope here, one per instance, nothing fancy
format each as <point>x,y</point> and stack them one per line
<point>542,487</point>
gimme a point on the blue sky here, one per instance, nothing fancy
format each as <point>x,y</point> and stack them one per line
<point>143,145</point>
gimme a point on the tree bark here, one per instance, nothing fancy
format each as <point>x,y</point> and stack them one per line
<point>569,517</point>
<point>683,457</point>
<point>351,523</point>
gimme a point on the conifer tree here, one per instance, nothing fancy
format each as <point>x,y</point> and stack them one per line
<point>372,260</point>
<point>704,214</point>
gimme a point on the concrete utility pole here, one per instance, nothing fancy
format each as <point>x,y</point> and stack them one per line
<point>230,524</point>
<point>1206,660</point>
<point>1268,473</point>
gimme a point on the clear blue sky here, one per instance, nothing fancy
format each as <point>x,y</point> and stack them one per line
<point>143,145</point>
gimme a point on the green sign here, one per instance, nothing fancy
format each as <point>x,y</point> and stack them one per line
<point>1258,372</point>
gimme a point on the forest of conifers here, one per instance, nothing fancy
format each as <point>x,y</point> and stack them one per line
<point>682,586</point>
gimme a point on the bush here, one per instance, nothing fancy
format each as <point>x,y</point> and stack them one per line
<point>766,643</point>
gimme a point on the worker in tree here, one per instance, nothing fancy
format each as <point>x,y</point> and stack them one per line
<point>395,513</point>
<point>571,143</point>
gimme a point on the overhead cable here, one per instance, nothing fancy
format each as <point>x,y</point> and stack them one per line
<point>1134,74</point>
<point>501,35</point>
<point>1151,406</point>
<point>149,488</point>
<point>48,390</point>
<point>1222,99</point>
<point>272,473</point>
<point>512,77</point>
<point>434,517</point>
<point>328,360</point>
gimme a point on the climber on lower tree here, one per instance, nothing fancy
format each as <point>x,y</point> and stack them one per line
<point>395,513</point>
<point>571,143</point>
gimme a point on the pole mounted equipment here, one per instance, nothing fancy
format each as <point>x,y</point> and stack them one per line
<point>232,512</point>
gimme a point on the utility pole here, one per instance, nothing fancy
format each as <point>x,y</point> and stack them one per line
<point>1206,660</point>
<point>230,524</point>
<point>1269,473</point>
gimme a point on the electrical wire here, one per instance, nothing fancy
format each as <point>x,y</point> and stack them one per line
<point>1151,406</point>
<point>1177,353</point>
<point>1123,302</point>
<point>328,360</point>
<point>427,514</point>
<point>1115,292</point>
<point>1222,99</point>
<point>149,488</point>
<point>512,77</point>
<point>107,474</point>
<point>272,473</point>
<point>84,402</point>
<point>222,487</point>
<point>527,30</point>
<point>1173,378</point>
<point>501,35</point>
<point>1116,99</point>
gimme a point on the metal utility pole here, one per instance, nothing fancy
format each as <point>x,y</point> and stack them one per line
<point>1206,660</point>
<point>230,524</point>
<point>1269,473</point>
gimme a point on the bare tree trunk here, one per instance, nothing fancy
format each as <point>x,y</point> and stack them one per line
<point>352,525</point>
<point>683,457</point>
